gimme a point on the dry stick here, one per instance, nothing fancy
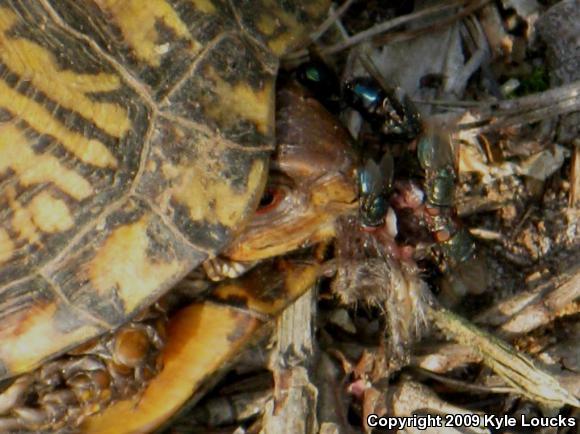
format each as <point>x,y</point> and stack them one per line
<point>410,34</point>
<point>480,54</point>
<point>379,28</point>
<point>411,398</point>
<point>445,22</point>
<point>462,385</point>
<point>531,108</point>
<point>514,367</point>
<point>543,310</point>
<point>443,357</point>
<point>574,199</point>
<point>292,60</point>
<point>372,69</point>
<point>291,365</point>
<point>333,18</point>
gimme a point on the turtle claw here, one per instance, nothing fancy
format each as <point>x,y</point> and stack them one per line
<point>218,269</point>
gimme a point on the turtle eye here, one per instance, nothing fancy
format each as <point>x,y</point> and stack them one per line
<point>270,199</point>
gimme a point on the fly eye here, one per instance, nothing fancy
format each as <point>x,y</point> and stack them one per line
<point>270,200</point>
<point>375,211</point>
<point>378,209</point>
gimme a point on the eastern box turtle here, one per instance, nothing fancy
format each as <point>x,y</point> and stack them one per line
<point>134,145</point>
<point>312,182</point>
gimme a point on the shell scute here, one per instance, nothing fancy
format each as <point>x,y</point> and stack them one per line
<point>230,89</point>
<point>203,183</point>
<point>157,43</point>
<point>119,266</point>
<point>37,323</point>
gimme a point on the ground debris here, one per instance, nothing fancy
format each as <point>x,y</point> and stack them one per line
<point>502,77</point>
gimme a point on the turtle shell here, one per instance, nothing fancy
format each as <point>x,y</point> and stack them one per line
<point>134,142</point>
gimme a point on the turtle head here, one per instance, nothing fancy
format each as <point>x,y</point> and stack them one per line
<point>312,181</point>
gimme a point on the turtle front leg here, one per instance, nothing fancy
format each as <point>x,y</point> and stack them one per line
<point>62,393</point>
<point>204,339</point>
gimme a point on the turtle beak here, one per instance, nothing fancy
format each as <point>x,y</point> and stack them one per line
<point>312,182</point>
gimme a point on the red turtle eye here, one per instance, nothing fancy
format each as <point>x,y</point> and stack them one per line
<point>271,198</point>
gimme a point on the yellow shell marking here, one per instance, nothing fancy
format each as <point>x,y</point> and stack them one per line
<point>21,218</point>
<point>123,263</point>
<point>50,214</point>
<point>269,21</point>
<point>69,89</point>
<point>41,120</point>
<point>6,246</point>
<point>205,6</point>
<point>44,213</point>
<point>242,101</point>
<point>31,168</point>
<point>209,198</point>
<point>137,23</point>
<point>31,335</point>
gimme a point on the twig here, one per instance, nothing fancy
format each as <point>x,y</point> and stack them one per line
<point>332,19</point>
<point>457,384</point>
<point>514,367</point>
<point>574,199</point>
<point>445,357</point>
<point>412,398</point>
<point>457,84</point>
<point>531,108</point>
<point>528,310</point>
<point>543,311</point>
<point>407,35</point>
<point>295,396</point>
<point>381,28</point>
